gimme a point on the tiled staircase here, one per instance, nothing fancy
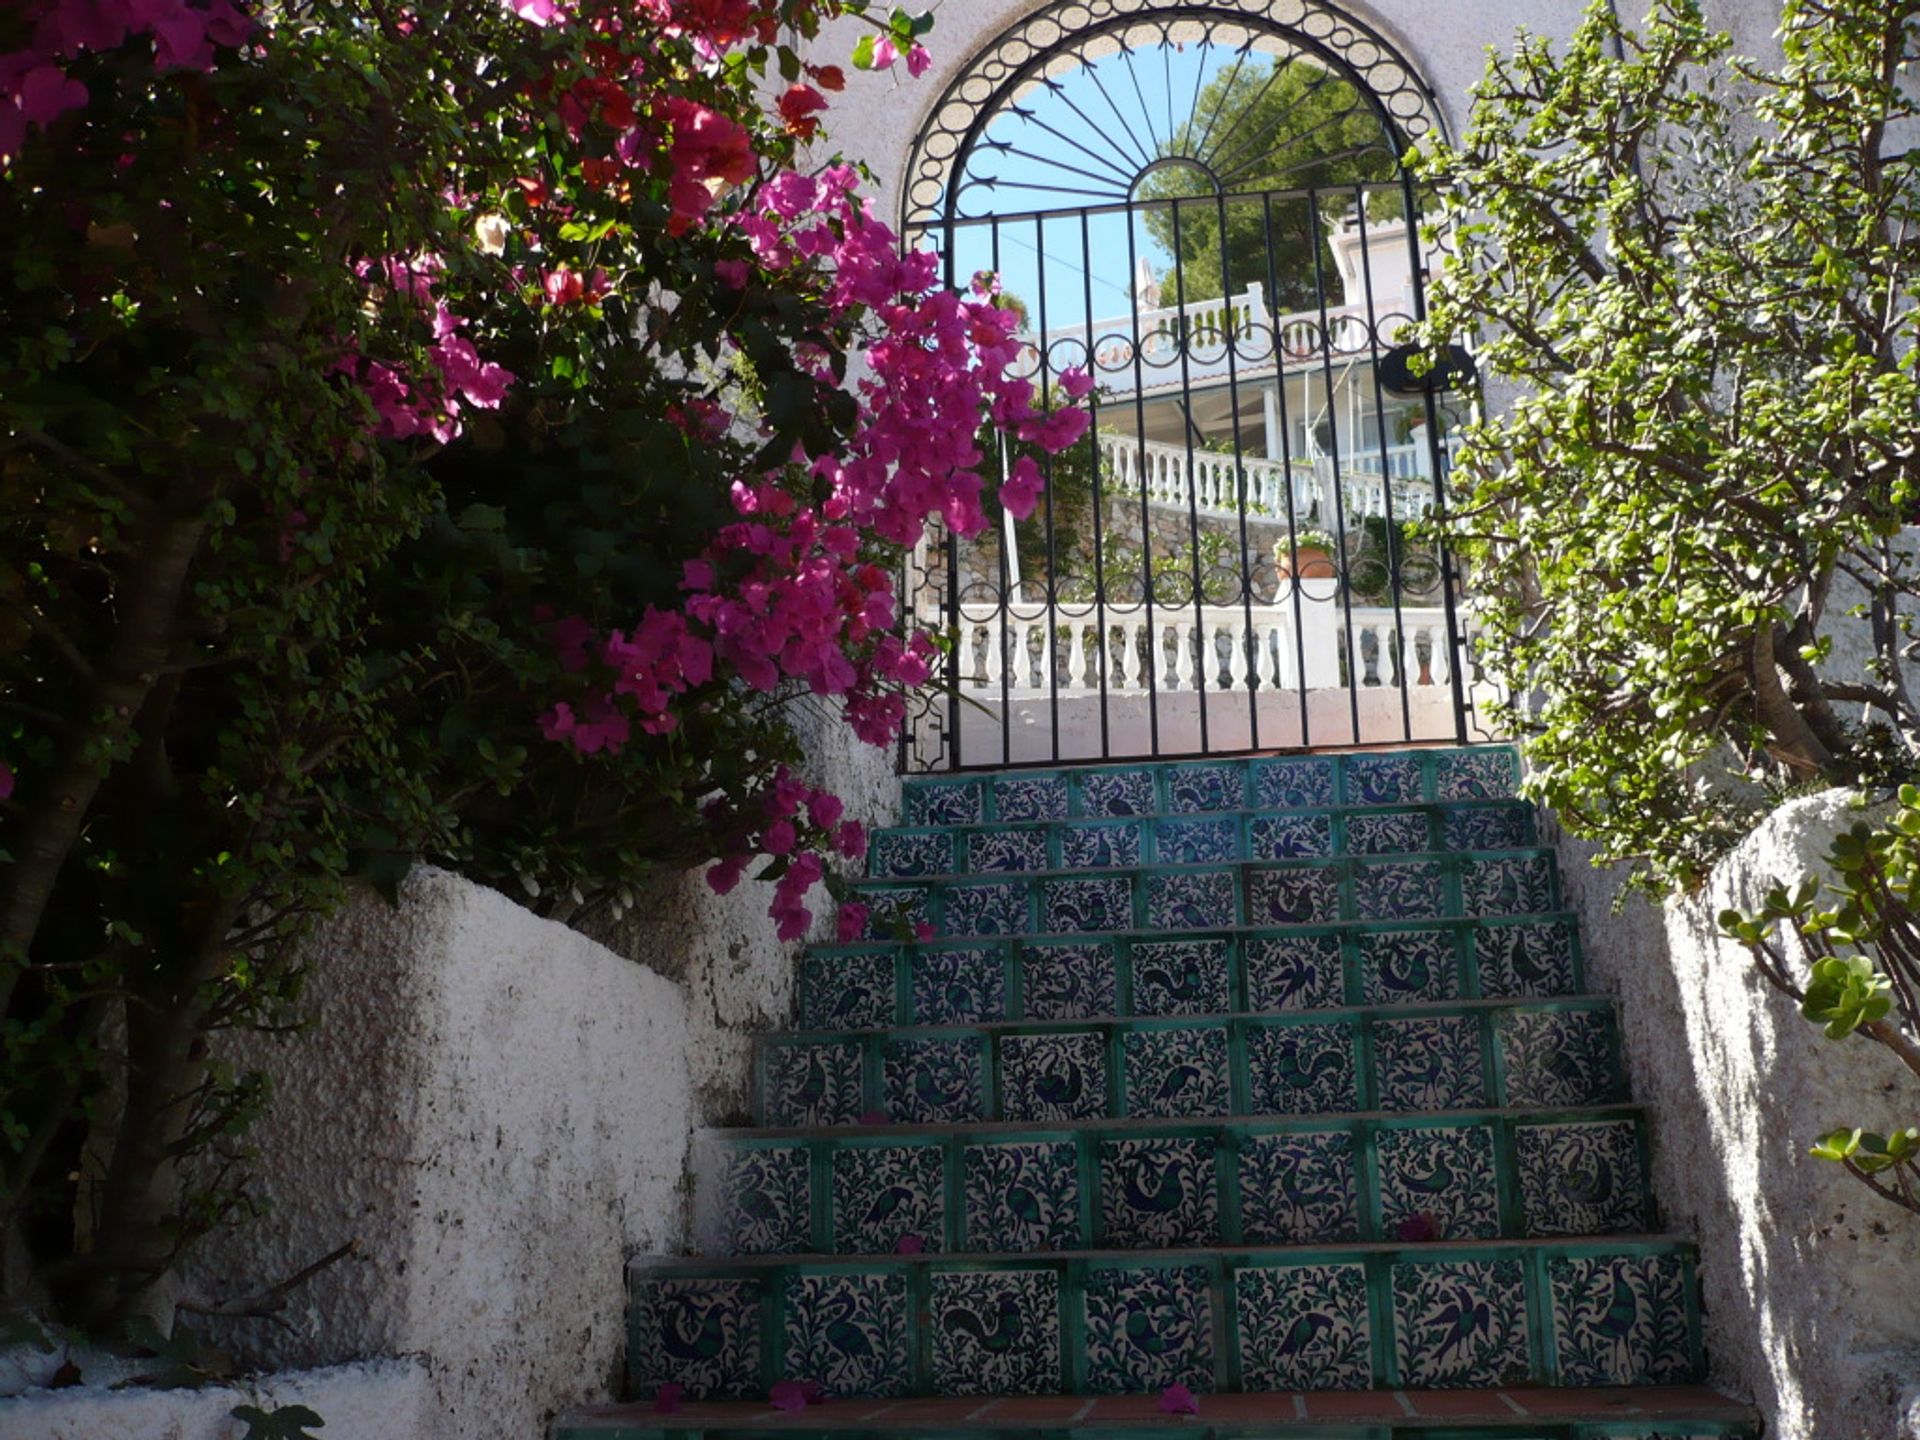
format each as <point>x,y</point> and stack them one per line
<point>1270,1079</point>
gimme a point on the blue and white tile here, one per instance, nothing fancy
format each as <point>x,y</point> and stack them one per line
<point>951,802</point>
<point>1006,852</point>
<point>1303,1327</point>
<point>1176,1072</point>
<point>995,1332</point>
<point>959,985</point>
<point>1020,1195</point>
<point>1399,967</point>
<point>1069,980</point>
<point>991,908</point>
<point>768,1200</point>
<point>847,990</point>
<point>700,1334</point>
<point>847,1332</point>
<point>1301,1069</point>
<point>1192,899</point>
<point>1106,845</point>
<point>1208,840</point>
<point>1507,885</point>
<point>1096,903</point>
<point>911,854</point>
<point>1620,1319</point>
<point>1195,788</point>
<point>1437,1183</point>
<point>1554,1058</point>
<point>1383,780</point>
<point>1488,827</point>
<point>1399,890</point>
<point>1429,1063</point>
<point>933,1081</point>
<point>894,912</point>
<point>1460,1323</point>
<point>1293,784</point>
<point>1581,1178</point>
<point>1296,895</point>
<point>1181,977</point>
<point>1388,832</point>
<point>885,1193</point>
<point>1146,1328</point>
<point>812,1085</point>
<point>1030,797</point>
<point>1298,1189</point>
<point>1289,837</point>
<point>1158,1193</point>
<point>1059,1076</point>
<point>1491,774</point>
<point>1294,972</point>
<point>1528,959</point>
<point>1117,792</point>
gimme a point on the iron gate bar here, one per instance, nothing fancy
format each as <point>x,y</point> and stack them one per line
<point>1437,460</point>
<point>1151,663</point>
<point>1386,471</point>
<point>1339,484</point>
<point>1048,643</point>
<point>1099,501</point>
<point>1286,465</point>
<point>1193,477</point>
<point>1240,483</point>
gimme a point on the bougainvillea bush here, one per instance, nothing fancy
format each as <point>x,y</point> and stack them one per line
<point>439,429</point>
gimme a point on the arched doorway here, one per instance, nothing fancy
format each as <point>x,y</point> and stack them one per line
<point>1206,206</point>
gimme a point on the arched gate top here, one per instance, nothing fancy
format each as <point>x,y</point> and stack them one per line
<point>1137,115</point>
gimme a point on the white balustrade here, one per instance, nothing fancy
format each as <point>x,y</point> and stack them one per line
<point>1126,461</point>
<point>1220,648</point>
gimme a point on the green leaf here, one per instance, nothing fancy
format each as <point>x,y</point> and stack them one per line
<point>863,53</point>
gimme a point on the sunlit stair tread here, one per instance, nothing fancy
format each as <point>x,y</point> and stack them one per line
<point>1329,1013</point>
<point>1153,1125</point>
<point>1084,843</point>
<point>1689,1411</point>
<point>1216,1318</point>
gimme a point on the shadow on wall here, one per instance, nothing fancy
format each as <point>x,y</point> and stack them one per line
<point>1807,1279</point>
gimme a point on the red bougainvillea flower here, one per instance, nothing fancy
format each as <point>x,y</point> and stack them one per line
<point>800,108</point>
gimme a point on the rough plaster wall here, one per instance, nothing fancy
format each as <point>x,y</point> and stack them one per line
<point>498,1109</point>
<point>737,978</point>
<point>384,1400</point>
<point>1808,1280</point>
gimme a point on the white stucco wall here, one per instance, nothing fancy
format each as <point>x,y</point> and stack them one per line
<point>1807,1278</point>
<point>497,1109</point>
<point>381,1400</point>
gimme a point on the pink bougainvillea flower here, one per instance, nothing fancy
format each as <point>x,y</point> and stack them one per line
<point>47,92</point>
<point>885,53</point>
<point>1076,382</point>
<point>669,1398</point>
<point>6,781</point>
<point>537,12</point>
<point>1020,491</point>
<point>852,923</point>
<point>909,1245</point>
<point>919,61</point>
<point>787,1395</point>
<point>874,1117</point>
<point>1179,1400</point>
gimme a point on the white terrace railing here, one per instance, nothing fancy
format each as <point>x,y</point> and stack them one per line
<point>1208,650</point>
<point>1127,461</point>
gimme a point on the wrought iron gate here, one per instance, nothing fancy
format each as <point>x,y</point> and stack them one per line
<point>1205,207</point>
